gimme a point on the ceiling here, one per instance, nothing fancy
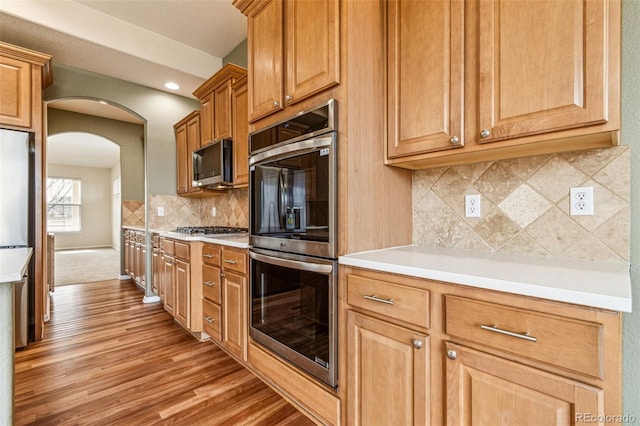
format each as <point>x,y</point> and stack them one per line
<point>147,42</point>
<point>88,150</point>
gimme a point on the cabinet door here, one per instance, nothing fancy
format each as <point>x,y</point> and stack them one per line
<point>168,282</point>
<point>388,373</point>
<point>181,159</point>
<point>312,47</point>
<point>425,76</point>
<point>183,280</point>
<point>487,390</point>
<point>543,66</point>
<point>234,311</point>
<point>265,58</point>
<point>127,263</point>
<point>240,107</point>
<point>222,127</point>
<point>193,143</point>
<point>15,86</point>
<point>206,120</point>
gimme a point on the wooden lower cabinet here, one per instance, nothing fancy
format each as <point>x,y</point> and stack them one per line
<point>488,390</point>
<point>388,375</point>
<point>234,319</point>
<point>168,283</point>
<point>182,292</point>
<point>468,356</point>
<point>225,291</point>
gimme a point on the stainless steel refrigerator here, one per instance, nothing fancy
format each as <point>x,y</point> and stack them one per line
<point>16,216</point>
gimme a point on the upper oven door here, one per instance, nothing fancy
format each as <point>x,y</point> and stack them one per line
<point>293,200</point>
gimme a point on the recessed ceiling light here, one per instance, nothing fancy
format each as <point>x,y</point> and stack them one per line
<point>171,85</point>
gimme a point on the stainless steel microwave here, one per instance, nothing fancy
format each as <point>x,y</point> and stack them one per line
<point>213,165</point>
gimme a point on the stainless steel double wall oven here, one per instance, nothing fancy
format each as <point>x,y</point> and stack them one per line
<point>293,229</point>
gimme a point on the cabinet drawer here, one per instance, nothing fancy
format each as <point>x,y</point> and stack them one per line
<point>182,250</point>
<point>169,247</point>
<point>212,315</point>
<point>561,341</point>
<point>234,261</point>
<point>211,254</point>
<point>211,288</point>
<point>404,303</point>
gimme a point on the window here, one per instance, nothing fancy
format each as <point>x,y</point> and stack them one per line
<point>63,204</point>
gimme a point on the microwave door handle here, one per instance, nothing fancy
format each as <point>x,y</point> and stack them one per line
<point>292,264</point>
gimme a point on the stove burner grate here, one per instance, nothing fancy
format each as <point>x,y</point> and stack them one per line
<point>209,230</point>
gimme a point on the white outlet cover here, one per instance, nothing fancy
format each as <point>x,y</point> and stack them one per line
<point>472,205</point>
<point>581,201</point>
<point>160,211</point>
<point>213,211</point>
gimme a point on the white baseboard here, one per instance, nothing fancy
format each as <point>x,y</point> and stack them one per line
<point>151,299</point>
<point>124,277</point>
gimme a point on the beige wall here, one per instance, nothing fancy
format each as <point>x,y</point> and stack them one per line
<point>95,210</point>
<point>116,202</point>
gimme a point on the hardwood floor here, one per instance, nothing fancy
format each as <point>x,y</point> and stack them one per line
<point>107,358</point>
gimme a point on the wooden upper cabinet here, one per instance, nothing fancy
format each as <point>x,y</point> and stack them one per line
<point>187,139</point>
<point>425,71</point>
<point>312,47</point>
<point>265,35</point>
<point>23,75</point>
<point>543,66</point>
<point>15,90</point>
<point>206,119</point>
<point>222,127</point>
<point>241,132</point>
<point>500,79</point>
<point>293,52</point>
<point>216,105</point>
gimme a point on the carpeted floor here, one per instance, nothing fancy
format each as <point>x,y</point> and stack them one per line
<point>87,265</point>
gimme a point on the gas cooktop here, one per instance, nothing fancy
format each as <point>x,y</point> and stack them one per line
<point>209,230</point>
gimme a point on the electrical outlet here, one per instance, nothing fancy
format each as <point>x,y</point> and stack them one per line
<point>581,199</point>
<point>472,205</point>
<point>213,211</point>
<point>160,211</point>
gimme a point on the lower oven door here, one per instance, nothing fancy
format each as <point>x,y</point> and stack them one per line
<point>293,310</point>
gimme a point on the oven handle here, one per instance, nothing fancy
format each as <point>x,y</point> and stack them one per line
<point>285,151</point>
<point>292,264</point>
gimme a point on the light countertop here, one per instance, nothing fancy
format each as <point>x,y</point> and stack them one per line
<point>13,264</point>
<point>604,285</point>
<point>240,240</point>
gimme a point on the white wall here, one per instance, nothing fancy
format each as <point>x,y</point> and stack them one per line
<point>96,207</point>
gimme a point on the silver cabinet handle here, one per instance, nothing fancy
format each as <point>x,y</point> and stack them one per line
<point>276,103</point>
<point>288,98</point>
<point>485,133</point>
<point>451,354</point>
<point>208,283</point>
<point>208,256</point>
<point>495,329</point>
<point>417,343</point>
<point>375,298</point>
<point>233,262</point>
<point>209,320</point>
<point>222,274</point>
<point>454,139</point>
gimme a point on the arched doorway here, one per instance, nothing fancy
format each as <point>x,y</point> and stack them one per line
<point>81,133</point>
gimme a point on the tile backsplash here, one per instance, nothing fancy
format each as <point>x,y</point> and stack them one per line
<point>231,210</point>
<point>525,206</point>
<point>132,213</point>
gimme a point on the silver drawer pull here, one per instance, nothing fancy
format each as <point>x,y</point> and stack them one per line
<point>233,262</point>
<point>495,329</point>
<point>375,298</point>
<point>208,256</point>
<point>209,320</point>
<point>208,283</point>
